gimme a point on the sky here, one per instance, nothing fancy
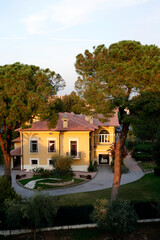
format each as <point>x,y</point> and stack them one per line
<point>51,33</point>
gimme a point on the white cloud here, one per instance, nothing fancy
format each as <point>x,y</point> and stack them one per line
<point>69,13</point>
<point>64,14</point>
<point>35,23</point>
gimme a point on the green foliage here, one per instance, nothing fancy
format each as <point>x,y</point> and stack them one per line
<point>109,78</point>
<point>6,190</point>
<point>145,121</point>
<point>73,103</point>
<point>148,165</point>
<point>14,214</point>
<point>99,213</point>
<point>142,151</point>
<point>62,164</point>
<point>116,216</point>
<point>43,173</point>
<point>92,166</point>
<point>39,210</point>
<point>24,93</point>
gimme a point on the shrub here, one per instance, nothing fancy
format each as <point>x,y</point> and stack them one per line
<point>62,164</point>
<point>117,216</point>
<point>38,170</point>
<point>124,169</point>
<point>92,166</point>
<point>99,213</point>
<point>6,190</point>
<point>13,214</point>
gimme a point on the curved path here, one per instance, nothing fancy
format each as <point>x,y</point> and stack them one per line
<point>102,180</point>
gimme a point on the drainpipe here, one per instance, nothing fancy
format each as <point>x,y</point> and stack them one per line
<point>59,143</point>
<point>22,154</point>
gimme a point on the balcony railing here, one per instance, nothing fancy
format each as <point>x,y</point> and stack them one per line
<point>104,138</point>
<point>74,154</point>
<point>107,138</point>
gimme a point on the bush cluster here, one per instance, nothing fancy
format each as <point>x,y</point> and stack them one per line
<point>115,216</point>
<point>92,166</point>
<point>35,212</point>
<point>62,165</point>
<point>43,173</point>
<point>6,190</point>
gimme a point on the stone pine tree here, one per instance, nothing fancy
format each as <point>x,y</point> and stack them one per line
<point>73,103</point>
<point>146,120</point>
<point>109,79</point>
<point>24,93</point>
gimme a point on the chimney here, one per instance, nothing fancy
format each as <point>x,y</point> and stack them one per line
<point>91,120</point>
<point>87,118</point>
<point>65,120</point>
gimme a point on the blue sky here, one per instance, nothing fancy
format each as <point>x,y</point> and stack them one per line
<point>50,33</point>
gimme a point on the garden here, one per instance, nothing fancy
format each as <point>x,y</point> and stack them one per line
<point>60,176</point>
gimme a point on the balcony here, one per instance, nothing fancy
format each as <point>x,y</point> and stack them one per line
<point>75,155</point>
<point>105,138</point>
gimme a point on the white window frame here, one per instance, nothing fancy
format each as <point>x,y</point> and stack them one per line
<point>33,139</point>
<point>48,161</point>
<point>31,159</point>
<point>52,139</point>
<point>74,139</point>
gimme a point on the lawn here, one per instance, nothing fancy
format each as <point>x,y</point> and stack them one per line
<point>145,189</point>
<point>42,186</point>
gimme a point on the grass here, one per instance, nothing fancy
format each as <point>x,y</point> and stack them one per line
<point>46,180</point>
<point>145,189</point>
<point>25,181</point>
<point>148,165</point>
<point>44,186</point>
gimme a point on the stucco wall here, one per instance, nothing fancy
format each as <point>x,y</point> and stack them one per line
<point>63,139</point>
<point>102,148</point>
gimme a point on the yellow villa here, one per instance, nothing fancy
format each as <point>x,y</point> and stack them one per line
<point>83,137</point>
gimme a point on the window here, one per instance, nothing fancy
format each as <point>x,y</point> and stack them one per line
<point>51,146</point>
<point>73,148</point>
<point>51,162</point>
<point>34,162</point>
<point>104,136</point>
<point>34,146</point>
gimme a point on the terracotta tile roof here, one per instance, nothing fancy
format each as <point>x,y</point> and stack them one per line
<point>76,122</point>
<point>18,139</point>
<point>16,152</point>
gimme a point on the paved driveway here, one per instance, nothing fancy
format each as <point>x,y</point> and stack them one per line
<point>102,180</point>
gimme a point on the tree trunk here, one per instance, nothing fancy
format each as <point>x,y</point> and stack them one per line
<point>118,161</point>
<point>34,234</point>
<point>6,147</point>
<point>7,166</point>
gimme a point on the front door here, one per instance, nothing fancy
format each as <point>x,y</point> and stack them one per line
<point>17,162</point>
<point>103,159</point>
